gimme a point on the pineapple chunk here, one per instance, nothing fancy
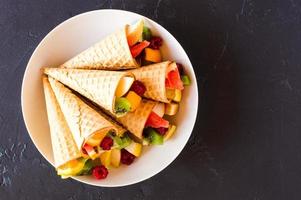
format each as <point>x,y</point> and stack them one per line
<point>115,157</point>
<point>171,108</point>
<point>134,99</point>
<point>134,148</point>
<point>105,158</point>
<point>170,132</point>
<point>178,95</point>
<point>152,55</point>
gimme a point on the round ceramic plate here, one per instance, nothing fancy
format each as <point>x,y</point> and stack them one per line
<point>73,36</point>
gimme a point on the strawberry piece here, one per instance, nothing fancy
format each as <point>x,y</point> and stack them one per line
<point>138,48</point>
<point>100,172</point>
<point>173,80</point>
<point>106,143</point>
<point>156,121</point>
<point>126,157</point>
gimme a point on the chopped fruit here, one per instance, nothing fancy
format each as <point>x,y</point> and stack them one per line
<point>122,105</point>
<point>134,99</point>
<point>134,148</point>
<point>115,157</point>
<point>134,32</point>
<point>185,79</point>
<point>138,48</point>
<point>178,95</point>
<point>145,141</point>
<point>71,168</point>
<point>126,157</point>
<point>171,108</point>
<point>170,132</point>
<point>180,68</point>
<point>152,55</point>
<point>154,137</point>
<point>124,86</point>
<point>100,172</point>
<point>105,158</point>
<point>87,168</point>
<point>138,87</point>
<point>146,34</point>
<point>156,121</point>
<point>122,142</point>
<point>161,130</point>
<point>91,151</point>
<point>106,143</point>
<point>96,139</point>
<point>170,93</point>
<point>156,42</point>
<point>173,80</point>
<point>159,109</point>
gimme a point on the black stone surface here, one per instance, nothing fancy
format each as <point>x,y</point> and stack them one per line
<point>246,143</point>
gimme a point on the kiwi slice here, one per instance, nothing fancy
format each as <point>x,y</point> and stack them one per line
<point>122,105</point>
<point>146,34</point>
<point>154,137</point>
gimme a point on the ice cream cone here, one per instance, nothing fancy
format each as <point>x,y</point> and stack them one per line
<point>83,120</point>
<point>153,77</point>
<point>135,121</point>
<point>97,85</point>
<point>63,144</point>
<point>111,53</point>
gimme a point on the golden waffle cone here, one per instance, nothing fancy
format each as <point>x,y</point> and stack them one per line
<point>63,144</point>
<point>135,121</point>
<point>153,77</point>
<point>81,118</point>
<point>111,53</point>
<point>97,85</point>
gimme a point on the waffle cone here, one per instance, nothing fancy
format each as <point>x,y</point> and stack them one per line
<point>135,121</point>
<point>83,120</point>
<point>97,85</point>
<point>153,77</point>
<point>63,145</point>
<point>111,53</point>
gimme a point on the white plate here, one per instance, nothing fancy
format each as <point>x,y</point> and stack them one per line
<point>70,38</point>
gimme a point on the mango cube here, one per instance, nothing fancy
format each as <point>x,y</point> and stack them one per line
<point>152,55</point>
<point>134,99</point>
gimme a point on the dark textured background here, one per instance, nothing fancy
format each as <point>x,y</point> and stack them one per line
<point>246,143</point>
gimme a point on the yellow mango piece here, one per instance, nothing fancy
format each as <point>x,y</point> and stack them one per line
<point>134,99</point>
<point>70,169</point>
<point>123,86</point>
<point>152,55</point>
<point>134,148</point>
<point>96,139</point>
<point>105,158</point>
<point>134,32</point>
<point>115,157</point>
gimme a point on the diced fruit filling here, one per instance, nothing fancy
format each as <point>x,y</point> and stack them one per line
<point>159,109</point>
<point>153,136</point>
<point>171,108</point>
<point>126,157</point>
<point>128,94</point>
<point>122,105</point>
<point>173,80</point>
<point>106,143</point>
<point>185,79</point>
<point>138,48</point>
<point>138,87</point>
<point>155,42</point>
<point>152,55</point>
<point>170,132</point>
<point>115,157</point>
<point>156,121</point>
<point>100,172</point>
<point>91,151</point>
<point>105,158</point>
<point>134,32</point>
<point>146,34</point>
<point>134,100</point>
<point>134,148</point>
<point>161,130</point>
